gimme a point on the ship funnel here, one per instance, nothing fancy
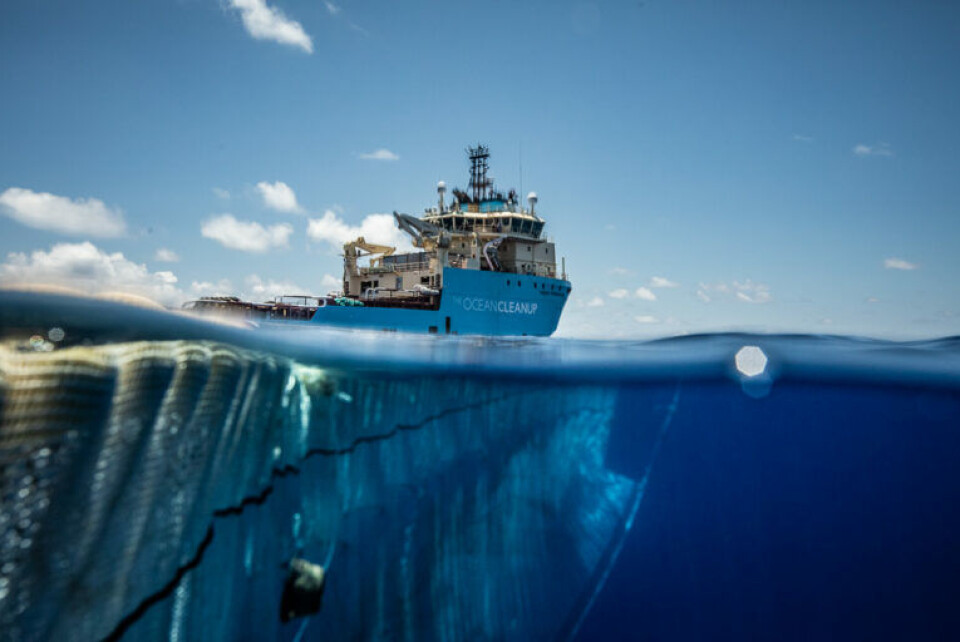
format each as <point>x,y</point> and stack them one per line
<point>532,199</point>
<point>441,189</point>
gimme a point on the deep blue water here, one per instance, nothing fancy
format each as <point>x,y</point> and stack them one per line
<point>159,472</point>
<point>817,512</point>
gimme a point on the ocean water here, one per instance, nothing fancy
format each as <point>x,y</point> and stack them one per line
<point>158,473</point>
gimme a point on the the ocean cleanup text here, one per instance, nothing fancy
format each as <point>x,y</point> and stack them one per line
<point>477,304</point>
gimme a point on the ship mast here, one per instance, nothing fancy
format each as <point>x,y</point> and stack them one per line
<point>479,184</point>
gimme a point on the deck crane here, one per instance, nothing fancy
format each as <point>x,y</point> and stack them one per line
<point>351,252</point>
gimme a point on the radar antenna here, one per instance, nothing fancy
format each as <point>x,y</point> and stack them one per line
<point>479,183</point>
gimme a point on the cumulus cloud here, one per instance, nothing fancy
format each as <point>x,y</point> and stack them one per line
<point>661,282</point>
<point>880,149</point>
<point>646,318</point>
<point>264,22</point>
<point>746,291</point>
<point>85,267</point>
<point>641,293</point>
<point>166,256</point>
<point>221,193</point>
<point>645,294</point>
<point>595,302</point>
<point>330,282</point>
<point>375,228</point>
<point>279,196</point>
<point>899,264</point>
<point>380,155</point>
<point>259,289</point>
<point>86,216</point>
<point>619,271</point>
<point>223,287</point>
<point>248,236</point>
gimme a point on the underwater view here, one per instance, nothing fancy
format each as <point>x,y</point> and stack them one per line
<point>164,476</point>
<point>566,320</point>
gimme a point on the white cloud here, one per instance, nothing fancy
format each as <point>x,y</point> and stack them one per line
<point>375,228</point>
<point>248,236</point>
<point>268,23</point>
<point>619,271</point>
<point>872,299</point>
<point>381,155</point>
<point>221,193</point>
<point>223,287</point>
<point>641,293</point>
<point>330,282</point>
<point>746,291</point>
<point>595,302</point>
<point>646,318</point>
<point>751,292</point>
<point>645,294</point>
<point>86,216</point>
<point>165,255</point>
<point>85,267</point>
<point>260,290</point>
<point>337,11</point>
<point>803,139</point>
<point>279,196</point>
<point>898,264</point>
<point>880,149</point>
<point>661,282</point>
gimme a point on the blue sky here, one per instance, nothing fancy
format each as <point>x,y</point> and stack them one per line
<point>703,166</point>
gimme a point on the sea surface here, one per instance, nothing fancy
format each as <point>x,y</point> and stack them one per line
<point>159,473</point>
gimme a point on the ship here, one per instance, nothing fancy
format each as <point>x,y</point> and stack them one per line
<point>481,265</point>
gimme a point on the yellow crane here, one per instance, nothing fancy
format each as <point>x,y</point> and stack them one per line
<point>351,251</point>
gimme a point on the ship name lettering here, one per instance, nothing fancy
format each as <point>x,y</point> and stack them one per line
<point>477,304</point>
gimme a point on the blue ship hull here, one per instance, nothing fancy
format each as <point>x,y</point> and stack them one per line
<point>472,302</point>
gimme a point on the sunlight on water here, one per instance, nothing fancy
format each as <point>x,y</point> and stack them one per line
<point>751,361</point>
